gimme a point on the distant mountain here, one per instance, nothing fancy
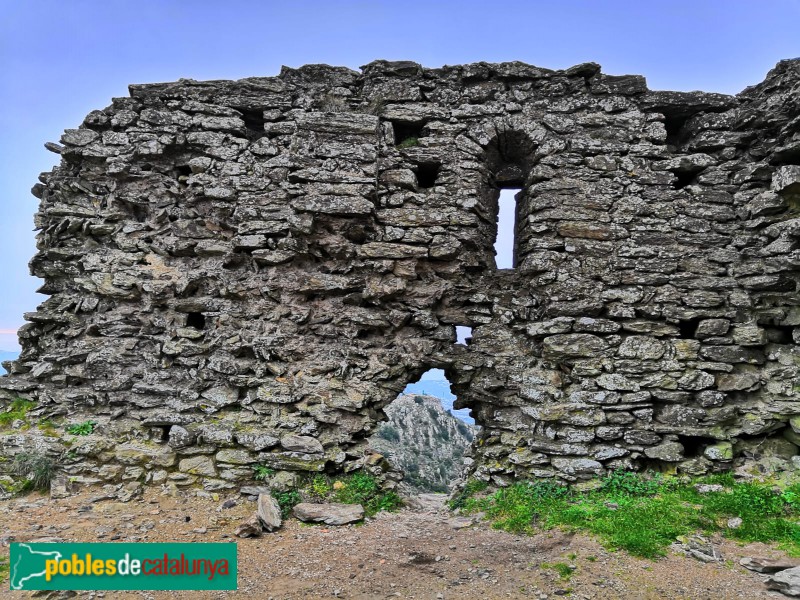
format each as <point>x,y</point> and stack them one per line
<point>7,355</point>
<point>424,441</point>
<point>440,388</point>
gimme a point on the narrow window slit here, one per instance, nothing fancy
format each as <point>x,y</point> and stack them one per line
<point>506,229</point>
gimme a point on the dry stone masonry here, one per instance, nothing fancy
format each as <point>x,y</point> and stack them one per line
<point>247,272</point>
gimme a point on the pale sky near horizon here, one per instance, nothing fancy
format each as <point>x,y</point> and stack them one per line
<point>59,60</point>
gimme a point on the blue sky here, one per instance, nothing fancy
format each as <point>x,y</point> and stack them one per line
<point>61,59</point>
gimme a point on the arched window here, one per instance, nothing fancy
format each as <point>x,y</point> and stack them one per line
<point>509,159</point>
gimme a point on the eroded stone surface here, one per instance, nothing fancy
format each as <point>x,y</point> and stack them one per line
<point>245,273</point>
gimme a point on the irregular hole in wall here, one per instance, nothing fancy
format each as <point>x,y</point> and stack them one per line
<point>463,335</point>
<point>254,122</point>
<point>160,433</point>
<point>138,212</point>
<point>234,261</point>
<point>182,174</point>
<point>406,133</point>
<point>779,334</point>
<point>693,445</point>
<point>687,328</point>
<point>788,155</point>
<point>244,352</point>
<point>654,465</point>
<point>192,289</point>
<point>509,157</point>
<point>674,123</point>
<point>427,173</point>
<point>683,178</point>
<point>424,436</point>
<point>196,320</point>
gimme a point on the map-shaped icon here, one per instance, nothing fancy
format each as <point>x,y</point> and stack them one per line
<point>29,564</point>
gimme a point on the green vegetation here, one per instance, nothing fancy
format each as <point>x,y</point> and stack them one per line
<point>17,410</point>
<point>85,428</point>
<point>464,430</point>
<point>472,487</point>
<point>262,473</point>
<point>389,433</point>
<point>48,428</point>
<point>644,514</point>
<point>409,142</point>
<point>357,488</point>
<point>563,569</point>
<point>5,570</point>
<point>35,468</point>
<point>287,501</point>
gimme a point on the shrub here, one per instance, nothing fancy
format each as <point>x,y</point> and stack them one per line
<point>36,468</point>
<point>389,433</point>
<point>320,487</point>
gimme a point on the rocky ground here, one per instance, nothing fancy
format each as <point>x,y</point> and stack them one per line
<point>421,552</point>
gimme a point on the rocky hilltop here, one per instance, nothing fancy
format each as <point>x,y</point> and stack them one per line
<point>425,441</point>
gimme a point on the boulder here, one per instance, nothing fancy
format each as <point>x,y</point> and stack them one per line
<point>249,528</point>
<point>269,512</point>
<point>330,514</point>
<point>768,565</point>
<point>786,582</point>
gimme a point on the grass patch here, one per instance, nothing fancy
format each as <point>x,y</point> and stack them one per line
<point>47,427</point>
<point>472,487</point>
<point>643,514</point>
<point>5,569</point>
<point>357,488</point>
<point>563,569</point>
<point>17,410</point>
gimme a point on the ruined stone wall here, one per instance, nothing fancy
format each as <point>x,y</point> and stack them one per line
<point>247,272</point>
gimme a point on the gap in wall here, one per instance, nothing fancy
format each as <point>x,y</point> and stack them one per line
<point>421,439</point>
<point>463,335</point>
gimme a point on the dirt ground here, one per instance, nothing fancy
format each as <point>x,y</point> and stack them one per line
<point>415,553</point>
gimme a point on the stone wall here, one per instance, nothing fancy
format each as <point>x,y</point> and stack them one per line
<point>247,272</point>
